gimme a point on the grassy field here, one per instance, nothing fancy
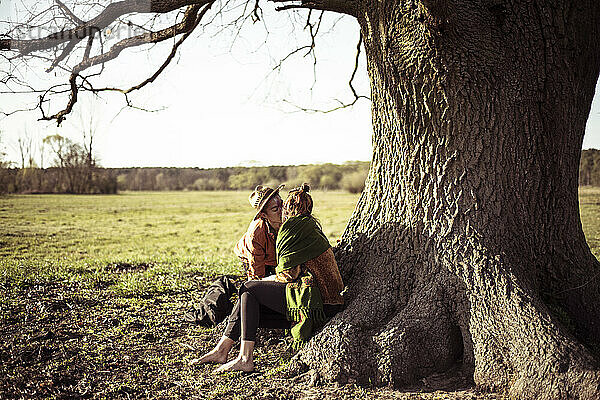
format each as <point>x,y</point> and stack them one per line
<point>170,234</point>
<point>589,209</point>
<point>92,289</point>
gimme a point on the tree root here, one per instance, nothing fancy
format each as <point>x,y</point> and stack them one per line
<point>413,343</point>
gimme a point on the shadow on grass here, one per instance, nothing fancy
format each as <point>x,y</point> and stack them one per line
<point>75,340</point>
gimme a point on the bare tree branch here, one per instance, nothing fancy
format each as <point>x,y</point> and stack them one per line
<point>191,20</point>
<point>69,13</point>
<point>341,6</point>
<point>255,13</point>
<point>66,51</point>
<point>88,48</point>
<point>342,104</point>
<point>70,25</point>
<point>313,31</point>
<point>101,21</point>
<point>187,24</point>
<point>165,63</point>
<point>356,60</point>
<point>290,54</point>
<point>60,116</point>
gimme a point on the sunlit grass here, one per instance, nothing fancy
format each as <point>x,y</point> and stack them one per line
<point>110,276</point>
<point>165,237</point>
<point>169,234</point>
<point>589,209</point>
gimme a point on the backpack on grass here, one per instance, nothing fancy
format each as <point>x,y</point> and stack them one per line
<point>215,305</point>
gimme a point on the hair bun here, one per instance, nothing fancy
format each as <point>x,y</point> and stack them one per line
<point>305,188</point>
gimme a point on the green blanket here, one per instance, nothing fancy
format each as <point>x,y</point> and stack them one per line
<point>301,239</point>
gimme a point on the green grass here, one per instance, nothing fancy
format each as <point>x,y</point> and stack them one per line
<point>169,234</point>
<point>92,289</point>
<point>163,227</point>
<point>589,209</point>
<point>157,239</point>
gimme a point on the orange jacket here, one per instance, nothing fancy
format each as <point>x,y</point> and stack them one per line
<point>257,248</point>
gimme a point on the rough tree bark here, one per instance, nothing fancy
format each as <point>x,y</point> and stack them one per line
<point>466,246</point>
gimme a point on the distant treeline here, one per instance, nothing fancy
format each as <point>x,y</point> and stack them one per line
<point>81,177</point>
<point>73,168</point>
<point>349,176</point>
<point>75,171</point>
<point>76,180</point>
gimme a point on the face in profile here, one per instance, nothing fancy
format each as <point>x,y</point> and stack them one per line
<point>272,211</point>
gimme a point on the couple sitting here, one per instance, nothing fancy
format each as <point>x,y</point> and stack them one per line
<point>293,278</point>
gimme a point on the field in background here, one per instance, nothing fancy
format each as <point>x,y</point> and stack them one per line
<point>77,237</point>
<point>589,209</point>
<point>92,289</point>
<point>41,235</point>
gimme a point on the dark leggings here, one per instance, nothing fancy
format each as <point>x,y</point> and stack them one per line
<point>261,304</point>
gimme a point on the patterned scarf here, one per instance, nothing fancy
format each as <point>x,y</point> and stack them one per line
<point>301,239</point>
<point>304,307</point>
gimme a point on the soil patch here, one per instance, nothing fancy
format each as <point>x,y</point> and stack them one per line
<point>63,340</point>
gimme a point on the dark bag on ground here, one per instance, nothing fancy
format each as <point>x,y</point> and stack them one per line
<point>215,306</point>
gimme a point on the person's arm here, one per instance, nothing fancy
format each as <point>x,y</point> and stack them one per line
<point>256,259</point>
<point>289,275</point>
<point>256,266</point>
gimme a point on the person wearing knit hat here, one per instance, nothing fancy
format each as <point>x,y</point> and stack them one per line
<point>256,248</point>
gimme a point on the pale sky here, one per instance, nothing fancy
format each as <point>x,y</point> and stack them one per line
<point>591,140</point>
<point>221,106</point>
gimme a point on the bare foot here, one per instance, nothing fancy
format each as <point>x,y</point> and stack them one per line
<point>236,365</point>
<point>218,356</point>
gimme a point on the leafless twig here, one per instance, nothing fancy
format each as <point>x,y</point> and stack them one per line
<point>342,104</point>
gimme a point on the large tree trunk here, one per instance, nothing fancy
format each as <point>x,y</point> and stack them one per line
<point>466,246</point>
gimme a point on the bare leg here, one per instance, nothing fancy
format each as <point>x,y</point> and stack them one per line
<point>272,295</point>
<point>219,353</point>
<point>243,362</point>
